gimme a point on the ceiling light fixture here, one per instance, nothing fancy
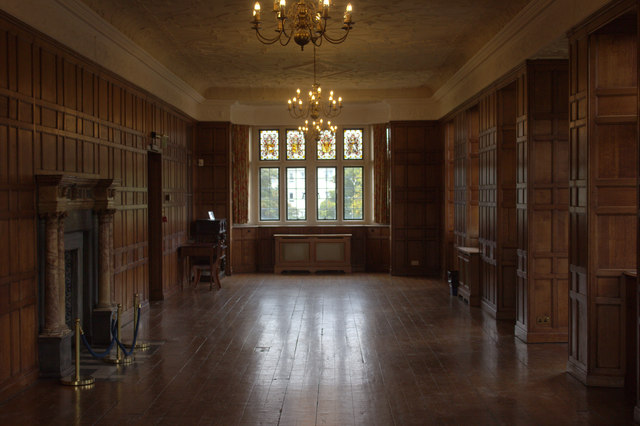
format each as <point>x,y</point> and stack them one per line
<point>304,21</point>
<point>313,107</point>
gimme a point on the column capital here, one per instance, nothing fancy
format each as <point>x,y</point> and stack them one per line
<point>53,215</point>
<point>105,212</point>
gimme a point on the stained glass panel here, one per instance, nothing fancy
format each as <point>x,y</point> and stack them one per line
<point>295,145</point>
<point>269,145</point>
<point>327,145</point>
<point>353,144</point>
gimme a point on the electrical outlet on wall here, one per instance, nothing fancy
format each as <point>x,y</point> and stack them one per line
<point>415,263</point>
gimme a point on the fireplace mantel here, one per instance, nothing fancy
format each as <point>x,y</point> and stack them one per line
<point>58,193</point>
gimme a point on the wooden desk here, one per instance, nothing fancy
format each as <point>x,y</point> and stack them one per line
<point>215,254</point>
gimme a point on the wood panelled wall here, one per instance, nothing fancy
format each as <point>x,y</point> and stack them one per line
<point>254,246</point>
<point>497,214</point>
<point>603,201</point>
<point>59,113</point>
<point>212,176</point>
<point>466,130</point>
<point>542,202</point>
<point>416,198</point>
<point>450,260</point>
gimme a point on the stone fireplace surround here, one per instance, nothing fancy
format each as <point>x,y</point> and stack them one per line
<point>58,196</point>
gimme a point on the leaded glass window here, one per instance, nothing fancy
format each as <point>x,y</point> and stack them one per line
<point>269,193</point>
<point>352,144</point>
<point>326,199</point>
<point>269,145</point>
<point>295,145</point>
<point>353,193</point>
<point>296,188</point>
<point>327,145</point>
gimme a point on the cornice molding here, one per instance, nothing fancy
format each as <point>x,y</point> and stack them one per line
<point>509,34</point>
<point>539,24</point>
<point>96,22</point>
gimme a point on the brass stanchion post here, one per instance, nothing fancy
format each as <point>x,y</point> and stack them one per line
<point>119,358</point>
<point>140,344</point>
<point>77,380</point>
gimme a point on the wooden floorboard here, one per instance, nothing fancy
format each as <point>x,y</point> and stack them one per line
<point>361,349</point>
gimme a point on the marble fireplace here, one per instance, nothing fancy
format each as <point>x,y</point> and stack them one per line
<point>75,239</point>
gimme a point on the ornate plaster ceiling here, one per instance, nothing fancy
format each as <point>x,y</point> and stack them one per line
<point>397,49</point>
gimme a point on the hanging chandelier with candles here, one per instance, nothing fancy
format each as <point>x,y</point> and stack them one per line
<point>303,21</point>
<point>314,108</point>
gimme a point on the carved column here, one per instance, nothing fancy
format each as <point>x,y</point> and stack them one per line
<point>61,273</point>
<point>52,308</point>
<point>54,344</point>
<point>105,245</point>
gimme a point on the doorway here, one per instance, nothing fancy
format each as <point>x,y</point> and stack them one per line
<point>154,223</point>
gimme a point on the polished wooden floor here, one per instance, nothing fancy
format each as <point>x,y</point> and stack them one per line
<point>335,349</point>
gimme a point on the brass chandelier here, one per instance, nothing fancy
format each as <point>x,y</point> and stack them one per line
<point>305,21</point>
<point>314,107</point>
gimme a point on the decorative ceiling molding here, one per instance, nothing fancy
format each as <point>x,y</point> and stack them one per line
<point>507,34</point>
<point>540,23</point>
<point>76,26</point>
<point>95,21</point>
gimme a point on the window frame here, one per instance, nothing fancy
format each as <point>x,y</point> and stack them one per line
<point>311,163</point>
<point>344,181</point>
<point>260,192</point>
<point>306,207</point>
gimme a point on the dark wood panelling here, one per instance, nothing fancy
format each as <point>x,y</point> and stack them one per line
<point>449,261</point>
<point>542,202</point>
<point>254,246</point>
<point>466,178</point>
<point>59,113</point>
<point>497,215</point>
<point>603,200</point>
<point>378,255</point>
<point>212,177</point>
<point>416,198</point>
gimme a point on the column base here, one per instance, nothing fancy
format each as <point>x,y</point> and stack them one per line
<point>101,333</point>
<point>55,355</point>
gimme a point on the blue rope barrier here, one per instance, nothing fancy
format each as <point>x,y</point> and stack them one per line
<point>106,352</point>
<point>135,337</point>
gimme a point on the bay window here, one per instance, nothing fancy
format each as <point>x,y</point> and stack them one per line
<point>328,181</point>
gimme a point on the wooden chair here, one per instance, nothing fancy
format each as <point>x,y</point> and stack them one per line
<point>200,264</point>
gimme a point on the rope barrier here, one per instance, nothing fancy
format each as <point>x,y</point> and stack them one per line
<point>105,353</point>
<point>114,339</point>
<point>135,337</point>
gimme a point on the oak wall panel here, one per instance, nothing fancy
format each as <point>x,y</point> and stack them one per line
<point>416,198</point>
<point>603,197</point>
<point>466,137</point>
<point>497,214</point>
<point>542,202</point>
<point>60,113</point>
